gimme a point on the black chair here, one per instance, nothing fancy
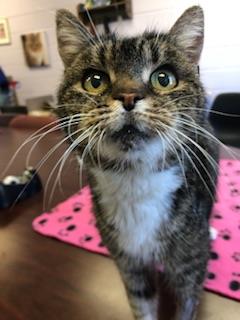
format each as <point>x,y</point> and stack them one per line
<point>14,110</point>
<point>225,118</point>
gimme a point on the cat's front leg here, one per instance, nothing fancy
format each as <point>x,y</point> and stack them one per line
<point>141,287</point>
<point>186,280</point>
<point>187,308</point>
<point>187,299</point>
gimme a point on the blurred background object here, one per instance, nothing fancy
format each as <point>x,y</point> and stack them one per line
<point>104,12</point>
<point>4,88</point>
<point>35,49</point>
<point>225,118</point>
<point>89,4</point>
<point>40,105</point>
<point>4,32</point>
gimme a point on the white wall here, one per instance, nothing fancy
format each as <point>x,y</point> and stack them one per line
<point>220,63</point>
<point>25,16</point>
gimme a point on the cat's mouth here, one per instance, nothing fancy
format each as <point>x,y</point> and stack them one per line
<point>129,136</point>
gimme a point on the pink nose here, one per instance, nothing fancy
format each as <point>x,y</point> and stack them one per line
<point>129,100</point>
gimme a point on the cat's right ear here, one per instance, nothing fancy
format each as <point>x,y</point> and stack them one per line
<point>72,36</point>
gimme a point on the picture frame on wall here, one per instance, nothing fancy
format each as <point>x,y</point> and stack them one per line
<point>4,31</point>
<point>36,49</point>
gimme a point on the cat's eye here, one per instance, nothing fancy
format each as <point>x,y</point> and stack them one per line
<point>163,79</point>
<point>95,82</point>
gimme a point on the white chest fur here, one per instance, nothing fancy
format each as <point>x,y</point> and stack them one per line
<point>137,204</point>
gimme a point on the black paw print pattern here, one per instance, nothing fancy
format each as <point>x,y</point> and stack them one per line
<point>225,219</point>
<point>73,222</point>
<point>101,244</point>
<point>236,274</point>
<point>77,207</point>
<point>217,216</point>
<point>234,285</point>
<point>236,256</point>
<point>214,255</point>
<point>85,238</point>
<point>235,192</point>
<point>43,222</point>
<point>236,208</point>
<point>211,276</point>
<point>65,218</point>
<point>225,234</point>
<point>65,232</point>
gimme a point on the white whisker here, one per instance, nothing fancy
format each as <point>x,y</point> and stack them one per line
<point>82,137</point>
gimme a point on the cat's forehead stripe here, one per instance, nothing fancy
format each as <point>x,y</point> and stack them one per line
<point>143,48</point>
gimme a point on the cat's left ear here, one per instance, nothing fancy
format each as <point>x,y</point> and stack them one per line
<point>188,32</point>
<point>72,36</point>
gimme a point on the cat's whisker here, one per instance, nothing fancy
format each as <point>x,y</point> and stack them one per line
<point>162,137</point>
<point>208,111</point>
<point>92,144</point>
<point>156,41</point>
<point>208,158</point>
<point>201,163</point>
<point>88,146</point>
<point>168,139</point>
<point>90,98</point>
<point>164,153</point>
<point>63,105</point>
<point>81,159</point>
<point>64,159</point>
<point>207,155</point>
<point>36,135</point>
<point>78,140</point>
<point>178,141</point>
<point>94,27</point>
<point>40,164</point>
<point>179,99</point>
<point>208,135</point>
<point>98,148</point>
<point>33,136</point>
<point>61,125</point>
<point>90,138</point>
<point>69,127</point>
<point>178,158</point>
<point>204,152</point>
<point>42,136</point>
<point>182,145</point>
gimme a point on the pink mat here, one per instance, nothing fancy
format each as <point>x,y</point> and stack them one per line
<point>73,222</point>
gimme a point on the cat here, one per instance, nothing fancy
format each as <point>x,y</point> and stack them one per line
<point>136,110</point>
<point>34,50</point>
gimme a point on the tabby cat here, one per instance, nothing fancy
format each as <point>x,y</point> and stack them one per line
<point>134,109</point>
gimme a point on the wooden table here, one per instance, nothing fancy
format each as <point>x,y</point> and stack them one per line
<point>44,279</point>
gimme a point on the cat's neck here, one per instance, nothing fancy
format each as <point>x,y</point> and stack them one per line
<point>153,157</point>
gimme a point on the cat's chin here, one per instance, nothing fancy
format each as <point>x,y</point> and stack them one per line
<point>129,137</point>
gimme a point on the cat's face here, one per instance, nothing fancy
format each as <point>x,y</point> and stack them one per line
<point>125,93</point>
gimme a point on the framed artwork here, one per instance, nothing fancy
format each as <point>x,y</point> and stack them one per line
<point>4,31</point>
<point>35,49</point>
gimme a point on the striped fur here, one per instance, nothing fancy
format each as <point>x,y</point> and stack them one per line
<point>152,170</point>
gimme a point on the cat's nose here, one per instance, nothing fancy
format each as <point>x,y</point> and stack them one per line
<point>129,99</point>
